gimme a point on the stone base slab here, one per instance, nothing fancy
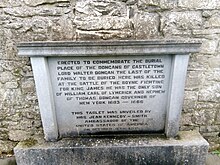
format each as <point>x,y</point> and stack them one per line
<point>188,148</point>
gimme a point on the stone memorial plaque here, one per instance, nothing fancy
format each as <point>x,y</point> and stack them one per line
<point>96,94</point>
<point>109,87</point>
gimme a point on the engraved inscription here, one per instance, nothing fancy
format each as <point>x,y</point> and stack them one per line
<point>98,94</point>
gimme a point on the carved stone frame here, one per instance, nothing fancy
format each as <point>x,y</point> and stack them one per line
<point>39,51</point>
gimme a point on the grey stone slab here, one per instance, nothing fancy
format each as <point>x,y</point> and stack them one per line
<point>108,87</point>
<point>93,98</point>
<point>190,148</point>
<point>176,91</point>
<point>106,48</point>
<point>45,97</point>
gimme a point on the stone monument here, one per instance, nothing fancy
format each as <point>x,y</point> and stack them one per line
<point>112,102</point>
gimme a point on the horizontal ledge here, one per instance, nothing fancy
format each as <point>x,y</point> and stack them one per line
<point>105,43</point>
<point>97,48</point>
<point>185,138</point>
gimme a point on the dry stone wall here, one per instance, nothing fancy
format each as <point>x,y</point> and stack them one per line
<point>52,20</point>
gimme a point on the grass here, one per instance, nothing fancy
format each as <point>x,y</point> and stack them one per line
<point>216,152</point>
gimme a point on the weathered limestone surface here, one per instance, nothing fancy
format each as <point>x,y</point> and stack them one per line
<point>52,20</point>
<point>40,2</point>
<point>190,148</point>
<point>146,25</point>
<point>199,4</point>
<point>102,20</point>
<point>180,23</point>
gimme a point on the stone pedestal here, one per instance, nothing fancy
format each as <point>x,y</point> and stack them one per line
<point>189,148</point>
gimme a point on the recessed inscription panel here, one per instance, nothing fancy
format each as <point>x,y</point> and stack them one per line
<point>110,94</point>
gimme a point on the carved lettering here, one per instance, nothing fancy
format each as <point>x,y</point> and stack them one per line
<point>111,94</point>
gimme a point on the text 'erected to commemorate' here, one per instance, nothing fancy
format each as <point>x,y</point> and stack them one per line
<point>98,94</point>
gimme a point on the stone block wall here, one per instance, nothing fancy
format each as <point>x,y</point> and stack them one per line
<point>56,20</point>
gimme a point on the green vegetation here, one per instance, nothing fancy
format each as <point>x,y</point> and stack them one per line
<point>217,152</point>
